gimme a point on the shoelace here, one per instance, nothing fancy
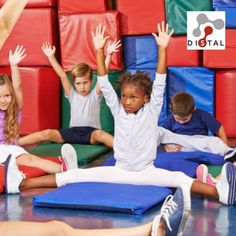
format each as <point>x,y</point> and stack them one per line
<point>169,206</point>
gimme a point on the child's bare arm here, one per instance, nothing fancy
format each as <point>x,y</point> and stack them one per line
<point>14,59</point>
<point>222,135</point>
<point>49,51</point>
<point>162,41</point>
<point>9,14</point>
<point>111,48</point>
<point>99,42</point>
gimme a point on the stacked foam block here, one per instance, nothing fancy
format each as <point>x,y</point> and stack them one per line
<point>41,86</point>
<point>206,75</point>
<point>211,78</point>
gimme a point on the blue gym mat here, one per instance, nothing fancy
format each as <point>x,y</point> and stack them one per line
<point>122,198</point>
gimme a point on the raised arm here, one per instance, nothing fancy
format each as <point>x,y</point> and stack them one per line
<point>99,42</point>
<point>111,48</point>
<point>49,51</point>
<point>162,41</point>
<point>9,14</point>
<point>14,59</point>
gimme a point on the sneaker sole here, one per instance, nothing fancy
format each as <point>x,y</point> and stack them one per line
<point>231,177</point>
<point>186,210</point>
<point>231,157</point>
<point>67,150</point>
<point>203,175</point>
<point>7,162</point>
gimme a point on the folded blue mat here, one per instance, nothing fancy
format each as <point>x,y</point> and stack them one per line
<point>186,162</point>
<point>123,198</point>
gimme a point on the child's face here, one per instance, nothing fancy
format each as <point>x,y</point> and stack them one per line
<point>83,85</point>
<point>182,120</point>
<point>5,97</point>
<point>132,97</point>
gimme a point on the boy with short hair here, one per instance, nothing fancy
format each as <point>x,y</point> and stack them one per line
<point>85,127</point>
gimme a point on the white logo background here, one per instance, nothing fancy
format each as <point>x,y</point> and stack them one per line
<point>202,23</point>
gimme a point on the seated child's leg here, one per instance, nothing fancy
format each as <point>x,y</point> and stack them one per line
<point>51,135</point>
<point>100,136</point>
<point>31,160</point>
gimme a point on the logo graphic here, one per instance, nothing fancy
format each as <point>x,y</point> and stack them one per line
<point>206,30</point>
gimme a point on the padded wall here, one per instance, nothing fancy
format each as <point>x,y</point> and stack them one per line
<point>226,3</point>
<point>139,16</point>
<point>41,101</point>
<point>139,52</point>
<point>176,12</point>
<point>35,26</point>
<point>76,39</point>
<point>178,55</point>
<point>226,100</point>
<point>222,58</point>
<point>36,3</point>
<point>73,6</point>
<point>198,81</point>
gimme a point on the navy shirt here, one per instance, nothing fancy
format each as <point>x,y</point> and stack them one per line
<point>200,123</point>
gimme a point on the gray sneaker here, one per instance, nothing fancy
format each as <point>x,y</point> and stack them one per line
<point>68,157</point>
<point>226,186</point>
<point>13,176</point>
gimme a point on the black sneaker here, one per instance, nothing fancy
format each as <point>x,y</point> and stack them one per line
<point>230,156</point>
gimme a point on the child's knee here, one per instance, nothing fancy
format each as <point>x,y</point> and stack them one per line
<point>47,133</point>
<point>98,135</point>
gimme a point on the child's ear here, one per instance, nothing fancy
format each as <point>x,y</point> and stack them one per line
<point>146,98</point>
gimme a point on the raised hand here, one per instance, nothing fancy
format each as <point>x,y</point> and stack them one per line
<point>48,50</point>
<point>99,40</point>
<point>113,46</point>
<point>16,56</point>
<point>163,37</point>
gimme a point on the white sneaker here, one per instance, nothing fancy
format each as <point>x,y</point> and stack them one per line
<point>68,157</point>
<point>13,176</point>
<point>226,186</point>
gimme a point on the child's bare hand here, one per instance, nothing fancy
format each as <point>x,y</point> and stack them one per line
<point>16,56</point>
<point>113,46</point>
<point>48,50</point>
<point>163,37</point>
<point>99,40</point>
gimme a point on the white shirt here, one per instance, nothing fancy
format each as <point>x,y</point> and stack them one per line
<point>85,110</point>
<point>136,135</point>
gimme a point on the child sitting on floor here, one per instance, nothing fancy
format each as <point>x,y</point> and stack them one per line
<point>85,127</point>
<point>11,98</point>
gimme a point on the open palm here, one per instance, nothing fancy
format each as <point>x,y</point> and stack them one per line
<point>18,55</point>
<point>163,37</point>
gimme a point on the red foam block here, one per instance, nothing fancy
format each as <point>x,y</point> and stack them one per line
<point>41,101</point>
<point>140,17</point>
<point>68,6</point>
<point>76,39</point>
<point>178,55</point>
<point>36,3</point>
<point>222,58</point>
<point>35,26</point>
<point>226,100</point>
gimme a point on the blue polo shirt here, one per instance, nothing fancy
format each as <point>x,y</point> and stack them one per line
<point>201,123</point>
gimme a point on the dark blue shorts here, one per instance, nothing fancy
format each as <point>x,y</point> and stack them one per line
<point>77,135</point>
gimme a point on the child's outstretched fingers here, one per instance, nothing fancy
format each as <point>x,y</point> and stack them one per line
<point>113,46</point>
<point>99,40</point>
<point>17,56</point>
<point>163,38</point>
<point>48,50</point>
